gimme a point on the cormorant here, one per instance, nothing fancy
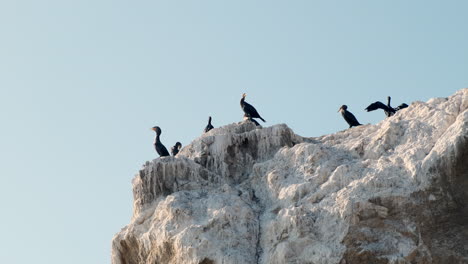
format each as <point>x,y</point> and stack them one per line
<point>160,148</point>
<point>248,109</point>
<point>209,126</point>
<point>176,148</point>
<point>388,109</point>
<point>348,116</point>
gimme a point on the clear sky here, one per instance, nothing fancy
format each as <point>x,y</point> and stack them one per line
<point>82,82</point>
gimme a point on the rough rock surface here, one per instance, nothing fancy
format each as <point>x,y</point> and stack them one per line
<point>394,192</point>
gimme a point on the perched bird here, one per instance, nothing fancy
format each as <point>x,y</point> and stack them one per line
<point>388,109</point>
<point>176,148</point>
<point>248,109</point>
<point>160,148</point>
<point>251,120</point>
<point>209,126</point>
<point>348,116</point>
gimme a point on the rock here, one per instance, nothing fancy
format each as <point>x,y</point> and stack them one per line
<point>394,192</point>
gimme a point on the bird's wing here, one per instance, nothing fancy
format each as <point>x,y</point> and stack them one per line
<point>351,119</point>
<point>377,105</point>
<point>250,110</point>
<point>163,150</point>
<point>402,106</point>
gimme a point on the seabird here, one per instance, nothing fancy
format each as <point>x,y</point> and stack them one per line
<point>348,116</point>
<point>388,109</point>
<point>176,148</point>
<point>160,148</point>
<point>248,109</point>
<point>209,126</point>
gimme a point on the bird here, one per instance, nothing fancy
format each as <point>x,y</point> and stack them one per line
<point>160,148</point>
<point>176,148</point>
<point>209,126</point>
<point>348,116</point>
<point>248,109</point>
<point>388,109</point>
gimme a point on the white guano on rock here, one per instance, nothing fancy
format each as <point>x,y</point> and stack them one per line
<point>393,192</point>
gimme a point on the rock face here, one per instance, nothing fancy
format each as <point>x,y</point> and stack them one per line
<point>394,192</point>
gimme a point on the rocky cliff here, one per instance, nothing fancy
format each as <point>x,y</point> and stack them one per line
<point>394,192</point>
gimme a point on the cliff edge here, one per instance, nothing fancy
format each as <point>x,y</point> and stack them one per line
<point>393,192</point>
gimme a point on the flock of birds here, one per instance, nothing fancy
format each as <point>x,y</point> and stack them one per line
<point>250,113</point>
<point>388,109</point>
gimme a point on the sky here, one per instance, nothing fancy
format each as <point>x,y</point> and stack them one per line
<point>82,82</point>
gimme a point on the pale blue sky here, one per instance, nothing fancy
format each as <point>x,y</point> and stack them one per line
<point>82,82</point>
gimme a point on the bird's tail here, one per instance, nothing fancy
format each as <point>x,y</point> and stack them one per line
<point>263,119</point>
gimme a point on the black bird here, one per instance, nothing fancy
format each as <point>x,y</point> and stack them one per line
<point>388,109</point>
<point>176,148</point>
<point>348,116</point>
<point>402,106</point>
<point>248,109</point>
<point>209,126</point>
<point>160,148</point>
<point>251,120</point>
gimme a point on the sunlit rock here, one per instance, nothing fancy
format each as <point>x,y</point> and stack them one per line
<point>394,192</point>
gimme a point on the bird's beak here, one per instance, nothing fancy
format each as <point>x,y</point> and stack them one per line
<point>339,109</point>
<point>153,129</point>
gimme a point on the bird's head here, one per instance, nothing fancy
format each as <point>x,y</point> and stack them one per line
<point>343,108</point>
<point>244,95</point>
<point>156,129</point>
<point>178,145</point>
